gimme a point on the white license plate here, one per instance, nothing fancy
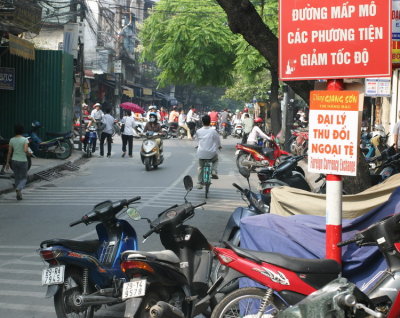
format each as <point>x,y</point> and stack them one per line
<point>136,288</point>
<point>237,152</point>
<point>53,275</point>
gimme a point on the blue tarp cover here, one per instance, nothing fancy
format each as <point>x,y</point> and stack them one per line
<point>304,236</point>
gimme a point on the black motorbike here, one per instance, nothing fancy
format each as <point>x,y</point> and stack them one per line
<point>179,275</point>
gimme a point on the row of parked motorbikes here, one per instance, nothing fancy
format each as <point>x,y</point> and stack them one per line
<point>194,276</point>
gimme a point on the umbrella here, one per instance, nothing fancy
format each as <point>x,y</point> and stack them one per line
<point>132,107</point>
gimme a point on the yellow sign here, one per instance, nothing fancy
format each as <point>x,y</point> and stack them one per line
<point>128,91</point>
<point>21,47</point>
<point>147,91</point>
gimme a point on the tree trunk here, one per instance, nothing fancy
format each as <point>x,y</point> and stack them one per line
<point>276,114</point>
<point>361,182</point>
<point>245,20</point>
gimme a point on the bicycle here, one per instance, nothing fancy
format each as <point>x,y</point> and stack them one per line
<point>207,171</point>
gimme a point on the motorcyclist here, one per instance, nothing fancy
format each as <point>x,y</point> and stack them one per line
<point>256,132</point>
<point>154,126</point>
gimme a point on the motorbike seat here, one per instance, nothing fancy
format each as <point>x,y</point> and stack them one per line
<point>255,147</point>
<point>58,134</point>
<point>83,246</point>
<point>163,256</point>
<point>295,264</point>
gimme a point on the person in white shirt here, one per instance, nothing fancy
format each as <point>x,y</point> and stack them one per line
<point>127,135</point>
<point>182,123</point>
<point>209,143</point>
<point>256,132</point>
<point>96,114</point>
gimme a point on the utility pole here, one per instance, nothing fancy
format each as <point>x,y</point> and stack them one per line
<point>288,116</point>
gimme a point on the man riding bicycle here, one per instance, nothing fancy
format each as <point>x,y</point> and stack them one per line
<point>209,143</point>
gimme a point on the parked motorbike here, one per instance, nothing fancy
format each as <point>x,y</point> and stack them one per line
<point>253,156</point>
<point>298,142</point>
<point>388,165</point>
<point>289,279</point>
<point>60,146</point>
<point>178,275</point>
<point>174,130</point>
<point>4,144</point>
<point>83,275</point>
<point>89,143</point>
<point>339,298</point>
<point>151,152</point>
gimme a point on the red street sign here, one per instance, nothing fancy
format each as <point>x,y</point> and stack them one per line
<point>334,39</point>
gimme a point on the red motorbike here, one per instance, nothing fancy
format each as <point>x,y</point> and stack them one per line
<point>298,142</point>
<point>289,280</point>
<point>253,156</point>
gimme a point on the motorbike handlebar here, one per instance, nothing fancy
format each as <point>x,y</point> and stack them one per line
<point>146,235</point>
<point>321,176</point>
<point>133,199</point>
<point>75,223</point>
<point>238,187</point>
<point>343,243</point>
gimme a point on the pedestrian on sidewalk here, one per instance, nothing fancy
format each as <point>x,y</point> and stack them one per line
<point>17,152</point>
<point>129,124</point>
<point>108,121</point>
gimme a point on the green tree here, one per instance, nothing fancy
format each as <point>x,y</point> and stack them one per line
<point>189,43</point>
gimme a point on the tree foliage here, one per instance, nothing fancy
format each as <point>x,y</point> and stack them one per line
<point>190,44</point>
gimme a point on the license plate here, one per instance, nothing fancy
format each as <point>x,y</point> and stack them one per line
<point>237,152</point>
<point>136,288</point>
<point>53,275</point>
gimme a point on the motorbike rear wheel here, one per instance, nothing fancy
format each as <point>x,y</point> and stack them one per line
<point>243,156</point>
<point>246,302</point>
<point>147,163</point>
<point>67,151</point>
<point>63,299</point>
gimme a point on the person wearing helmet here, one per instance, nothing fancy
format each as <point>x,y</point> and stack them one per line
<point>245,111</point>
<point>97,113</point>
<point>256,132</point>
<point>182,123</point>
<point>247,124</point>
<point>154,126</point>
<point>153,109</point>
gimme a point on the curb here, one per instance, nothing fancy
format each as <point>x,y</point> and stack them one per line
<point>34,177</point>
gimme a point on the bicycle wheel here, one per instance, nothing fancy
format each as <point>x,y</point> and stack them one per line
<point>246,302</point>
<point>207,187</point>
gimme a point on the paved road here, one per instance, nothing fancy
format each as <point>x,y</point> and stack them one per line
<point>48,208</point>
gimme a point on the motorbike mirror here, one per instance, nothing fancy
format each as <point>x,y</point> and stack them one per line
<point>134,214</point>
<point>244,172</point>
<point>188,182</point>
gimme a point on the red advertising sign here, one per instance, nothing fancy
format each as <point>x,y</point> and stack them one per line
<point>321,39</point>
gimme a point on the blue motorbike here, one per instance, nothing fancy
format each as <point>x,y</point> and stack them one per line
<point>60,144</point>
<point>84,275</point>
<point>89,144</point>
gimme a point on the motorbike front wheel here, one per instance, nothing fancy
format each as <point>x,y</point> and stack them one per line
<point>246,302</point>
<point>64,298</point>
<point>67,150</point>
<point>147,163</point>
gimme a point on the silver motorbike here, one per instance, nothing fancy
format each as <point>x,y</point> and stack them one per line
<point>151,152</point>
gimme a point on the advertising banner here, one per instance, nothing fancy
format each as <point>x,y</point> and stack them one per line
<point>333,132</point>
<point>321,39</point>
<point>378,87</point>
<point>7,78</point>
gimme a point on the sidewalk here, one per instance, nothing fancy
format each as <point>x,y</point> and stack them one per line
<point>38,165</point>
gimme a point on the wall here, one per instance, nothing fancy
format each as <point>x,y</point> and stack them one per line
<point>43,92</point>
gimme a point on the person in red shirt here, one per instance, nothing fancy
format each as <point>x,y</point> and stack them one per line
<point>163,114</point>
<point>214,118</point>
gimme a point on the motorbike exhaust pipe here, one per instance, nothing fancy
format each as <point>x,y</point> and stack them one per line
<point>249,163</point>
<point>87,300</point>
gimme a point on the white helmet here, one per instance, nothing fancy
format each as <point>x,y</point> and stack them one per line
<point>153,107</point>
<point>378,131</point>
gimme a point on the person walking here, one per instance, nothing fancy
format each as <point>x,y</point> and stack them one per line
<point>17,152</point>
<point>182,123</point>
<point>108,122</point>
<point>127,134</point>
<point>209,144</point>
<point>248,124</point>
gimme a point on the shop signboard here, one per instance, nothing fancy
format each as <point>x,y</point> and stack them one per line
<point>377,87</point>
<point>334,39</point>
<point>7,78</point>
<point>333,132</point>
<point>396,32</point>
